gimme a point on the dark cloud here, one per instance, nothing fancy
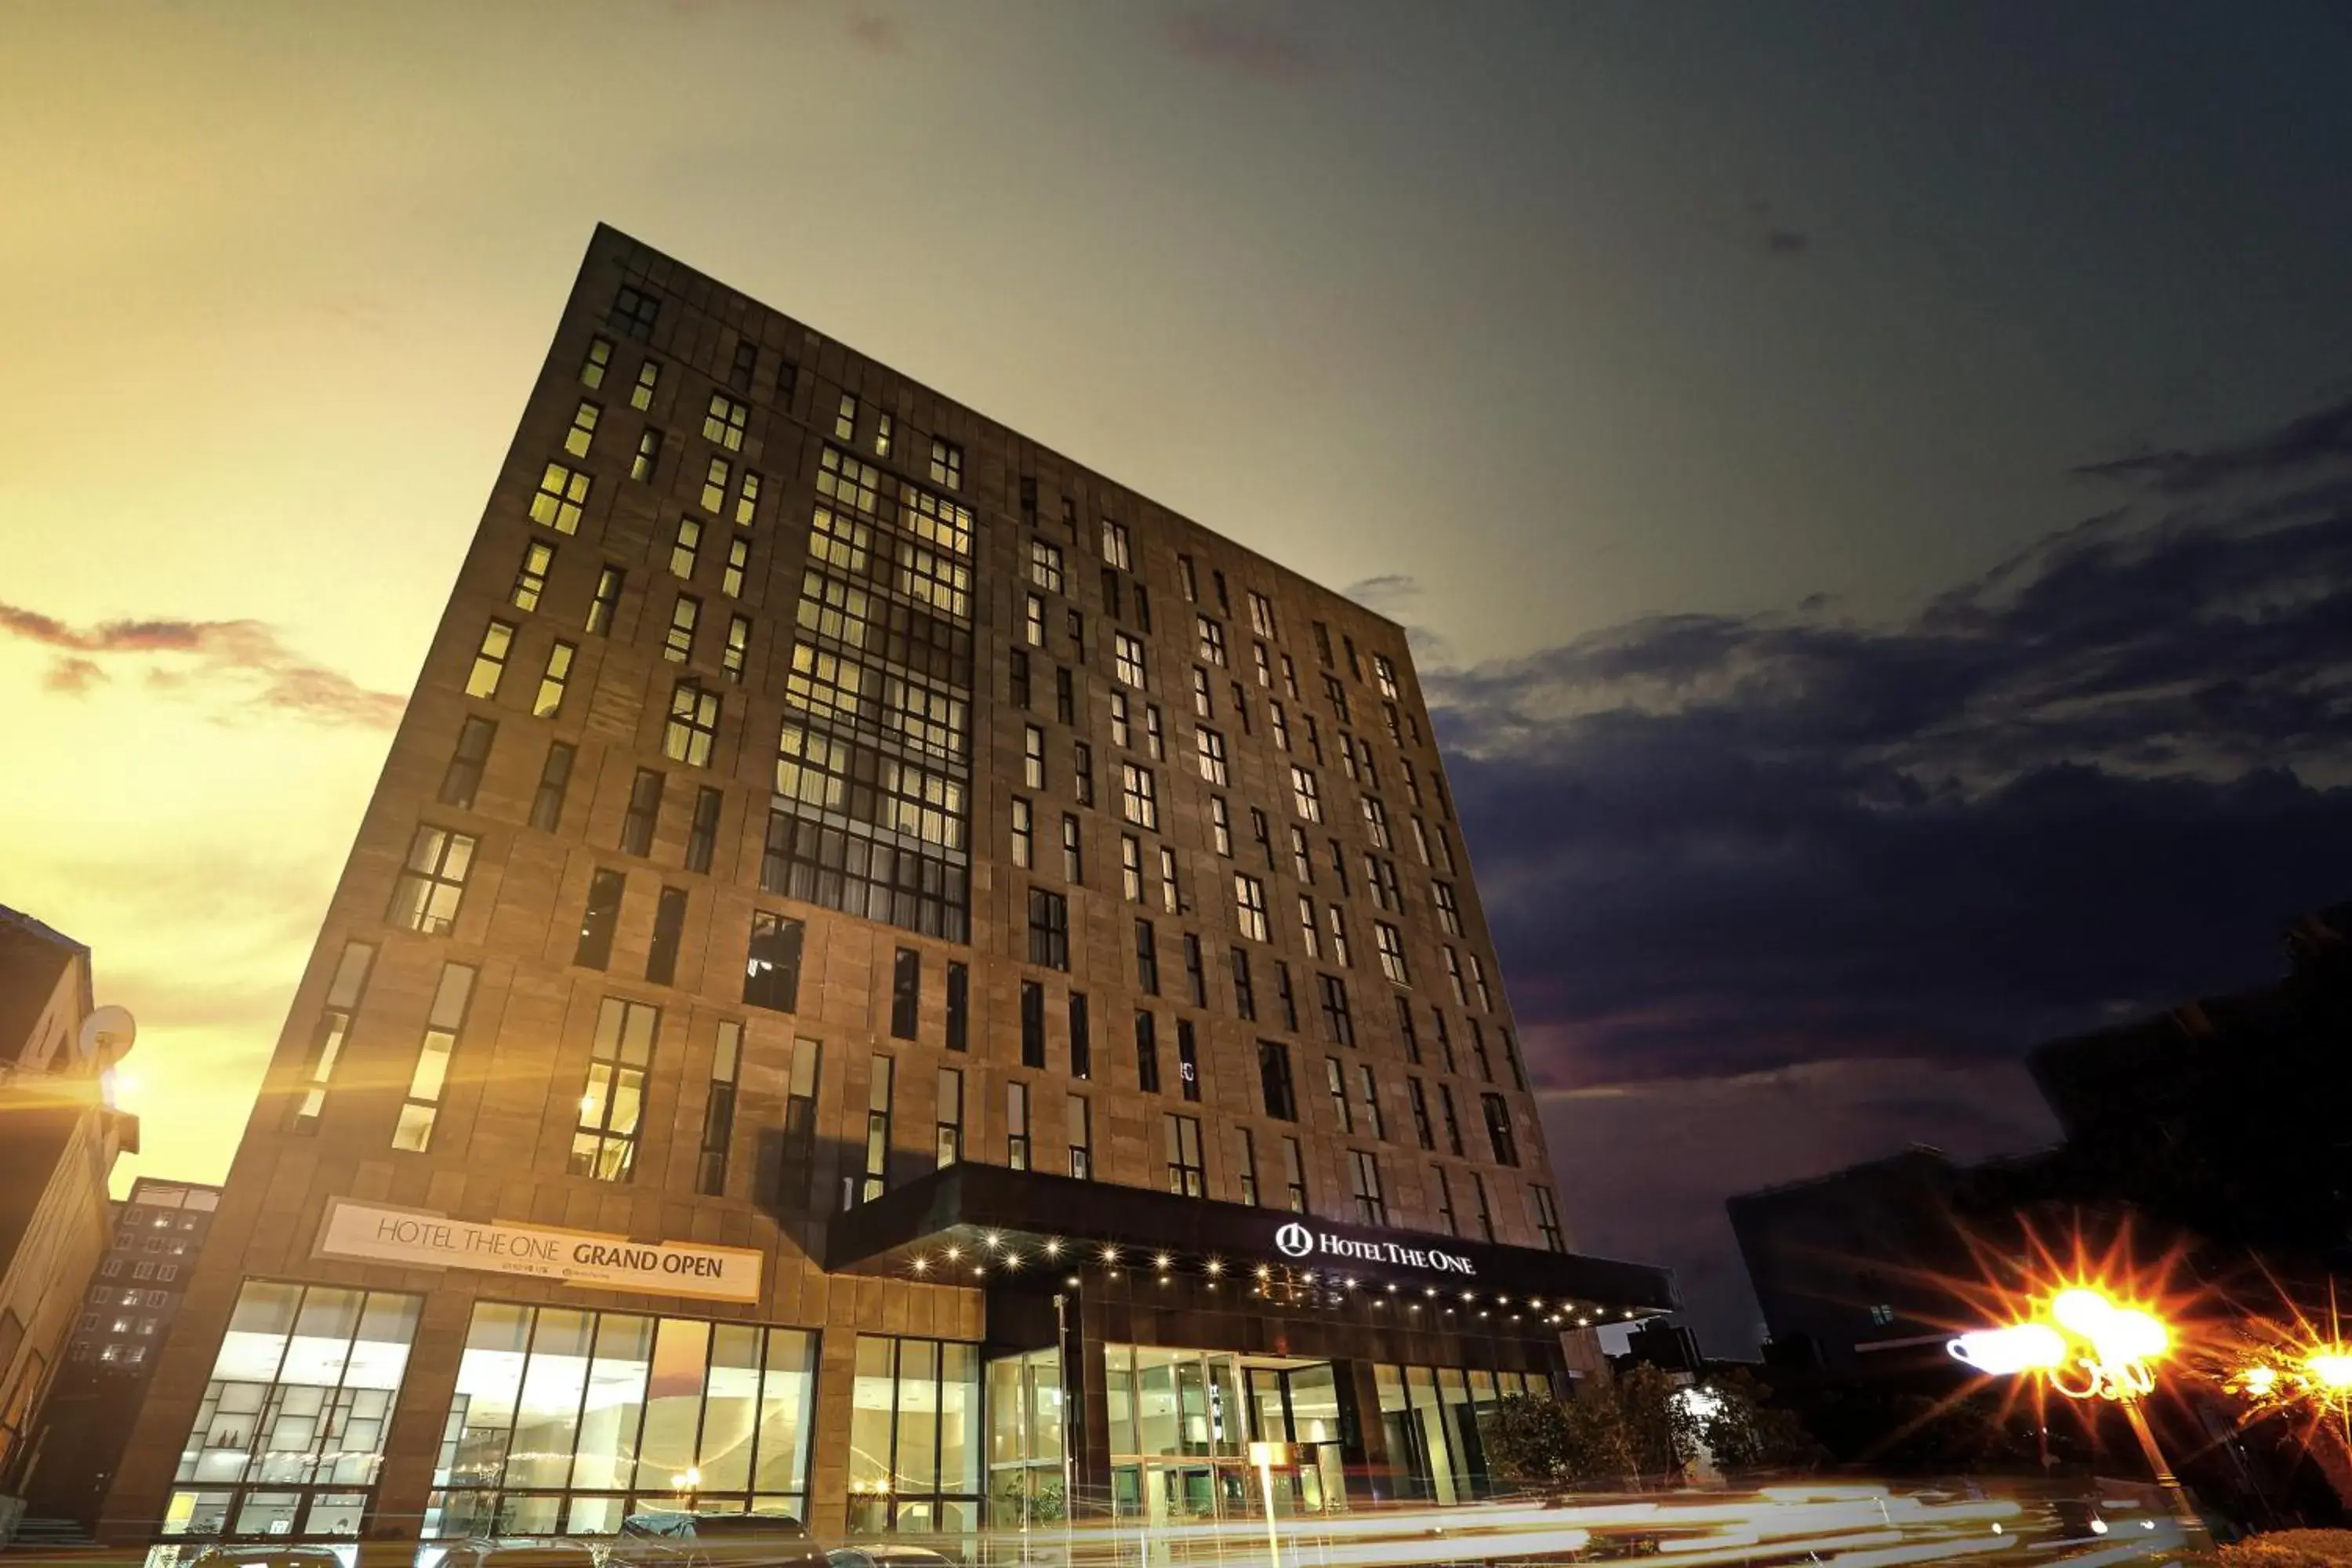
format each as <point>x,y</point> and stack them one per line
<point>878,34</point>
<point>2321,438</point>
<point>243,659</point>
<point>2087,785</point>
<point>1786,242</point>
<point>1245,43</point>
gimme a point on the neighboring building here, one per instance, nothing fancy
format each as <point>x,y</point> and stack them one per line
<point>59,1136</point>
<point>158,1232</point>
<point>887,977</point>
<point>1855,1264</point>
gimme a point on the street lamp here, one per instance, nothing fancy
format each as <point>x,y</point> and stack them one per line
<point>2092,1347</point>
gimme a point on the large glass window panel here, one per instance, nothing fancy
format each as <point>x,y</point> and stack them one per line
<point>873,1397</point>
<point>917,1465</point>
<point>614,1403</point>
<point>730,1410</point>
<point>673,1400</point>
<point>1420,1390</point>
<point>1155,1401</point>
<point>959,1417</point>
<point>548,1416</point>
<point>1118,1398</point>
<point>786,1388</point>
<point>482,1411</point>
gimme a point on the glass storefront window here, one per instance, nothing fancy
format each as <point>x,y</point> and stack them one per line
<point>1180,1422</point>
<point>566,1421</point>
<point>289,1436</point>
<point>1025,1479</point>
<point>914,1455</point>
<point>1436,1422</point>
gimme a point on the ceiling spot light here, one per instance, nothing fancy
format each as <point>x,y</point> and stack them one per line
<point>954,1253</point>
<point>1072,1282</point>
<point>1162,1261</point>
<point>1111,1255</point>
<point>1054,1247</point>
<point>1216,1267</point>
<point>992,1239</point>
<point>922,1265</point>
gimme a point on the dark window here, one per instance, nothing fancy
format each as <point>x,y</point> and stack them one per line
<point>1284,993</point>
<point>463,777</point>
<point>771,967</point>
<point>1110,592</point>
<point>1033,1023</point>
<point>1337,1027</point>
<point>1511,1059</point>
<point>788,380</point>
<point>1273,1080</point>
<point>555,778</point>
<point>1049,929</point>
<point>1245,993</point>
<point>634,311</point>
<point>1188,1060</point>
<point>906,992</point>
<point>669,925</point>
<point>959,1007</point>
<point>1143,607</point>
<point>1420,1098</point>
<point>747,360</point>
<point>1453,1126</point>
<point>1082,1044</point>
<point>1147,1052</point>
<point>1186,1176</point>
<point>1147,959</point>
<point>1020,679</point>
<point>597,924</point>
<point>719,1111</point>
<point>1499,1131</point>
<point>1065,698</point>
<point>1404,1023</point>
<point>702,838</point>
<point>1478,1050</point>
<point>796,1168</point>
<point>1194,972</point>
<point>645,806</point>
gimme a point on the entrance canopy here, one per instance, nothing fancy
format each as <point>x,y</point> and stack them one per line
<point>976,1224</point>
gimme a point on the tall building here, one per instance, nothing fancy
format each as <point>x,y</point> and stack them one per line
<point>158,1232</point>
<point>887,977</point>
<point>59,1137</point>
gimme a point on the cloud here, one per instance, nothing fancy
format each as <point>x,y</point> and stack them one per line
<point>1225,38</point>
<point>2322,437</point>
<point>878,34</point>
<point>1774,238</point>
<point>243,660</point>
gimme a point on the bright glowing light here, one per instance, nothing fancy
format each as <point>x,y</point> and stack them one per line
<point>2259,1380</point>
<point>2021,1347</point>
<point>2117,1334</point>
<point>2330,1368</point>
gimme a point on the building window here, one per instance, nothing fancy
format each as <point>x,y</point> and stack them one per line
<point>463,777</point>
<point>1130,862</point>
<point>1082,1047</point>
<point>683,550</point>
<point>906,992</point>
<point>1245,1166</point>
<point>343,993</point>
<point>1498,1130</point>
<point>1082,771</point>
<point>1017,1126</point>
<point>1188,1060</point>
<point>1260,614</point>
<point>600,359</point>
<point>554,780</point>
<point>745,365</point>
<point>747,499</point>
<point>1211,637</point>
<point>1339,1027</point>
<point>1485,1214</point>
<point>1172,896</point>
<point>1286,997</point>
<point>771,967</point>
<point>1065,698</point>
<point>1371,1208</point>
<point>947,464</point>
<point>1275,1085</point>
<point>548,701</point>
<point>490,660</point>
<point>874,1180</point>
<point>718,1110</point>
<point>1017,681</point>
<point>1478,1052</point>
<point>1221,826</point>
<point>634,311</point>
<point>725,422</point>
<point>947,1130</point>
<point>1308,931</point>
<point>739,560</point>
<point>1049,929</point>
<point>1033,1023</point>
<point>1339,932</point>
<point>641,394</point>
<point>1032,756</point>
<point>1046,565</point>
<point>530,575</point>
<point>599,920</point>
<point>702,835</point>
<point>1545,1213</point>
<point>796,1164</point>
<point>1138,800</point>
<point>413,1131</point>
<point>1305,798</point>
<point>561,498</point>
<point>1391,946</point>
<point>886,430</point>
<point>845,418</point>
<point>644,809</point>
<point>1420,1102</point>
<point>583,433</point>
<point>733,657</point>
<point>1122,727</point>
<point>1116,550</point>
<point>648,454</point>
<point>1453,979</point>
<point>432,881</point>
<point>1294,1176</point>
<point>1072,854</point>
<point>607,602</point>
<point>1335,1080</point>
<point>693,726</point>
<point>1196,973</point>
<point>1187,1176</point>
<point>669,929</point>
<point>605,1145</point>
<point>1082,1137</point>
<point>1147,1052</point>
<point>1245,993</point>
<point>1127,659</point>
<point>1210,748</point>
<point>1147,959</point>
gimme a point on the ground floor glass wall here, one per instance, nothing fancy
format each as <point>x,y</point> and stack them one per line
<point>1026,1481</point>
<point>914,1437</point>
<point>566,1421</point>
<point>1181,1423</point>
<point>1436,1420</point>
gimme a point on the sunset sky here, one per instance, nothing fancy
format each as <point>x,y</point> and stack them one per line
<point>1868,482</point>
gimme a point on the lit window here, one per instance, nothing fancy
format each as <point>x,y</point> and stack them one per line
<point>641,395</point>
<point>693,725</point>
<point>1187,580</point>
<point>463,777</point>
<point>1116,550</point>
<point>1154,740</point>
<point>592,368</point>
<point>1122,727</point>
<point>1212,638</point>
<point>413,1131</point>
<point>490,660</point>
<point>715,479</point>
<point>726,421</point>
<point>772,964</point>
<point>432,881</point>
<point>1046,565</point>
<point>1449,914</point>
<point>1202,707</point>
<point>1339,937</point>
<point>1391,946</point>
<point>947,464</point>
<point>562,496</point>
<point>885,428</point>
<point>739,647</point>
<point>649,444</point>
<point>1221,826</point>
<point>553,680</point>
<point>1049,929</point>
<point>583,433</point>
<point>1034,620</point>
<point>1131,861</point>
<point>1032,756</point>
<point>1371,1208</point>
<point>1024,833</point>
<point>683,550</point>
<point>644,813</point>
<point>1384,672</point>
<point>1249,902</point>
<point>1137,800</point>
<point>747,499</point>
<point>1072,860</point>
<point>845,418</point>
<point>1305,798</point>
<point>612,1104</point>
<point>1128,660</point>
<point>1187,1177</point>
<point>1376,819</point>
<point>1478,983</point>
<point>1172,896</point>
<point>607,602</point>
<point>738,557</point>
<point>531,576</point>
<point>677,645</point>
<point>1211,749</point>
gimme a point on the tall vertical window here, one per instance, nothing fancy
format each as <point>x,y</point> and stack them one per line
<point>745,365</point>
<point>1017,688</point>
<point>343,993</point>
<point>1221,826</point>
<point>845,418</point>
<point>739,560</point>
<point>530,575</point>
<point>605,1145</point>
<point>1147,959</point>
<point>1032,756</point>
<point>1130,864</point>
<point>1306,797</point>
<point>1478,983</point>
<point>796,1166</point>
<point>906,992</point>
<point>1480,1206</point>
<point>886,430</point>
<point>462,779</point>
<point>555,782</point>
<point>1339,1027</point>
<point>490,660</point>
<point>726,421</point>
<point>1171,893</point>
<point>1273,1080</point>
<point>1445,1217</point>
<point>669,929</point>
<point>1391,945</point>
<point>1049,929</point>
<point>1033,1023</point>
<point>1454,976</point>
<point>432,881</point>
<point>644,810</point>
<point>1245,992</point>
<point>1453,1125</point>
<point>1294,1176</point>
<point>718,1110</point>
<point>1478,1050</point>
<point>747,499</point>
<point>1202,705</point>
<point>561,498</point>
<point>693,727</point>
<point>1033,620</point>
<point>1195,972</point>
<point>552,680</point>
<point>1245,1164</point>
<point>1404,1027</point>
<point>1302,856</point>
<point>1147,1052</point>
<point>684,547</point>
<point>1449,914</point>
<point>1498,1130</point>
<point>1335,1080</point>
<point>1046,565</point>
<point>873,1176</point>
<point>1212,637</point>
<point>648,454</point>
<point>606,603</point>
<point>1024,833</point>
<point>772,964</point>
<point>599,920</point>
<point>1082,772</point>
<point>1187,579</point>
<point>1260,614</point>
<point>1371,1208</point>
<point>1017,1126</point>
<point>1188,1060</point>
<point>1545,1213</point>
<point>1308,931</point>
<point>1420,1101</point>
<point>1082,1137</point>
<point>1187,1176</point>
<point>737,652</point>
<point>1065,698</point>
<point>946,1134</point>
<point>1280,723</point>
<point>1116,549</point>
<point>641,391</point>
<point>702,836</point>
<point>959,1006</point>
<point>599,360</point>
<point>1128,660</point>
<point>583,433</point>
<point>1282,994</point>
<point>1154,741</point>
<point>1082,1044</point>
<point>1339,935</point>
<point>1211,749</point>
<point>1367,1094</point>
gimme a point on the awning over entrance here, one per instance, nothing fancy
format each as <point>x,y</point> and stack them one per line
<point>978,1224</point>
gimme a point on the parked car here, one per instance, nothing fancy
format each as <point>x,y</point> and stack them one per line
<point>886,1557</point>
<point>538,1553</point>
<point>714,1540</point>
<point>263,1554</point>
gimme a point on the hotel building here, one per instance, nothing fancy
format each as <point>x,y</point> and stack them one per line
<point>887,977</point>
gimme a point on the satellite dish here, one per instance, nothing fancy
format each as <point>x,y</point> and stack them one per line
<point>107,1034</point>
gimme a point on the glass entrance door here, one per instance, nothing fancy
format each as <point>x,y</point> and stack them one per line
<point>1181,1422</point>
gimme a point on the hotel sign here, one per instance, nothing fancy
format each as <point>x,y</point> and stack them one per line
<point>1301,1241</point>
<point>419,1239</point>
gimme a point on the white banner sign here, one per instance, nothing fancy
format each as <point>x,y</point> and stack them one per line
<point>1295,1240</point>
<point>420,1239</point>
